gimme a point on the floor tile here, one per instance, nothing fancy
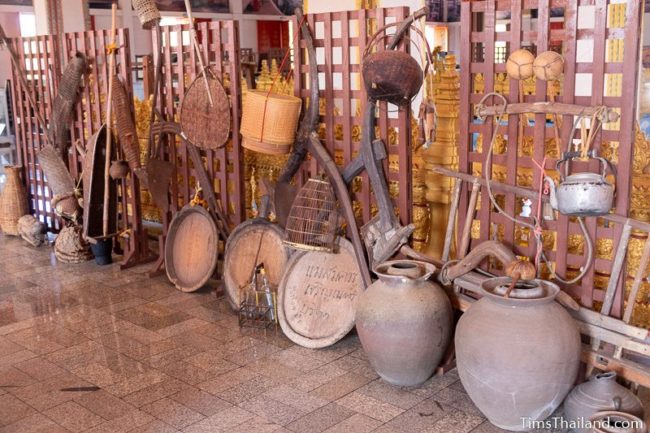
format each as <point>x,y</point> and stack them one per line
<point>200,401</point>
<point>13,409</point>
<point>173,413</point>
<point>73,417</point>
<point>272,410</point>
<point>357,423</point>
<point>222,422</point>
<point>370,406</point>
<point>104,404</point>
<point>321,419</point>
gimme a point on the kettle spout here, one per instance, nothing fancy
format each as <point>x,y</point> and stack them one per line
<point>553,196</point>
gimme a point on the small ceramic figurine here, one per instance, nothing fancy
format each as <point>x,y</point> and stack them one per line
<point>526,210</point>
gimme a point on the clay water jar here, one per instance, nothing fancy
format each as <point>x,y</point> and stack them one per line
<point>517,357</point>
<point>601,393</point>
<point>404,322</point>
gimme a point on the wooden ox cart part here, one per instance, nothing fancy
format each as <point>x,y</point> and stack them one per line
<point>253,242</point>
<point>608,114</point>
<point>191,248</point>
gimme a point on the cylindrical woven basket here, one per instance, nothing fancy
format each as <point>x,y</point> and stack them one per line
<point>147,12</point>
<point>278,116</point>
<point>13,201</point>
<point>58,177</point>
<point>125,124</point>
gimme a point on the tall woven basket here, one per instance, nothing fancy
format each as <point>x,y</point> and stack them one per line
<point>13,201</point>
<point>65,100</point>
<point>125,124</point>
<point>147,12</point>
<point>269,122</point>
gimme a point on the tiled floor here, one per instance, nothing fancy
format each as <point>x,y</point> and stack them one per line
<point>85,348</point>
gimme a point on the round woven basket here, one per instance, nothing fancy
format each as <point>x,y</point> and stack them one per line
<point>269,122</point>
<point>13,201</point>
<point>147,12</point>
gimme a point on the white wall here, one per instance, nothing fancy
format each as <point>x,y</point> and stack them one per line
<point>11,25</point>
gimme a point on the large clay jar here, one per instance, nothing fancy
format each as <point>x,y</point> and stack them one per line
<point>404,322</point>
<point>13,201</point>
<point>616,422</point>
<point>600,393</point>
<point>517,357</point>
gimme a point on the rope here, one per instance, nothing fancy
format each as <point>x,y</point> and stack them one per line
<point>112,48</point>
<point>284,59</point>
<point>197,200</point>
<point>536,227</point>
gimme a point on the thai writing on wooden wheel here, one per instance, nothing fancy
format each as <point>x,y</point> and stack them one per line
<point>318,294</point>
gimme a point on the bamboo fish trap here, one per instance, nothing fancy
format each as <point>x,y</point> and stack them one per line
<point>65,101</point>
<point>124,123</point>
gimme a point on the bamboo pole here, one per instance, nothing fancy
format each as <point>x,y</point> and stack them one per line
<point>23,82</point>
<point>195,44</point>
<point>109,114</point>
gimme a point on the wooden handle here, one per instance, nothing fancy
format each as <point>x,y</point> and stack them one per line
<point>109,113</point>
<point>195,44</point>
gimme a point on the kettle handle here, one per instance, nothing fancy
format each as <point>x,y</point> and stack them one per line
<point>604,163</point>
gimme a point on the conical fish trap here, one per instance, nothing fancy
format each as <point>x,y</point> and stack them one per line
<point>313,219</point>
<point>58,177</point>
<point>65,100</point>
<point>125,124</point>
<point>147,12</point>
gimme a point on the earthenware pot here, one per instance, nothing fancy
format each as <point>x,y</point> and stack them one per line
<point>517,357</point>
<point>600,393</point>
<point>404,322</point>
<point>616,422</point>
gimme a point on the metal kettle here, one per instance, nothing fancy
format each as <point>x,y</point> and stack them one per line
<point>582,194</point>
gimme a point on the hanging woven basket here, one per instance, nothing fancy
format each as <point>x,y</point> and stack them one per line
<point>269,122</point>
<point>147,13</point>
<point>312,224</point>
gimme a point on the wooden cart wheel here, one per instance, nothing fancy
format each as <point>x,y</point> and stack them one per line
<point>242,249</point>
<point>191,248</point>
<point>318,294</point>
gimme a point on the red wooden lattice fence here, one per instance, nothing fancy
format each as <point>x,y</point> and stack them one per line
<point>219,43</point>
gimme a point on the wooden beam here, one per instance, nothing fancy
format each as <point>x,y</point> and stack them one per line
<point>558,108</point>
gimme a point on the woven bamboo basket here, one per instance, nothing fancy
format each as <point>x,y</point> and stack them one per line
<point>125,124</point>
<point>269,122</point>
<point>13,201</point>
<point>58,177</point>
<point>147,12</point>
<point>206,126</point>
<point>70,246</point>
<point>65,100</point>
